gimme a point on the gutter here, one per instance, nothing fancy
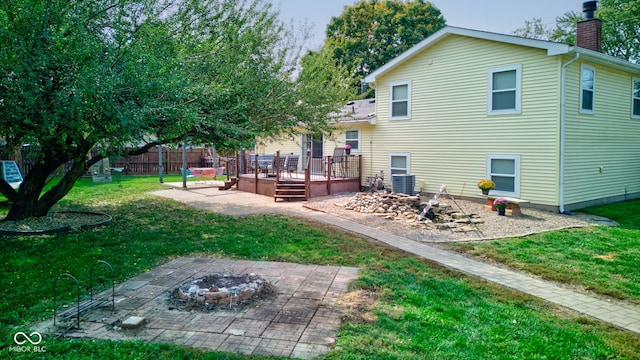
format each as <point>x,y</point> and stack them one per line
<point>562,128</point>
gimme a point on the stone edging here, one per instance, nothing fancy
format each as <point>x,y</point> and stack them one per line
<point>62,229</point>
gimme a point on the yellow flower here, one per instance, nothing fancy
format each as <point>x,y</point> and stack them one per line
<point>486,184</point>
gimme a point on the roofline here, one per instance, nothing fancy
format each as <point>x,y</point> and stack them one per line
<point>553,49</point>
<point>604,59</point>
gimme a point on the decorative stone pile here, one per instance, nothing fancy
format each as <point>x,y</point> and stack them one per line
<point>216,290</point>
<point>441,216</point>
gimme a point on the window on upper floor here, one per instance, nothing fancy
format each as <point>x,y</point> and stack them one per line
<point>635,111</point>
<point>400,100</point>
<point>587,89</point>
<point>504,171</point>
<point>504,90</point>
<point>352,137</point>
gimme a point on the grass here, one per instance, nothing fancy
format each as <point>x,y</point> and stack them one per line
<point>422,311</point>
<point>600,259</point>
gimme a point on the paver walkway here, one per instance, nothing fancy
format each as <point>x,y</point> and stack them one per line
<point>622,315</point>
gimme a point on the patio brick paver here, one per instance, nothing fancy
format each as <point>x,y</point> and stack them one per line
<point>272,326</point>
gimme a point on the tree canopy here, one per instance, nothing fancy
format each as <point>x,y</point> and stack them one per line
<point>116,74</point>
<point>370,33</point>
<point>620,28</point>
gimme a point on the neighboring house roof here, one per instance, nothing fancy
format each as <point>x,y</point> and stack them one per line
<point>358,111</point>
<point>553,49</point>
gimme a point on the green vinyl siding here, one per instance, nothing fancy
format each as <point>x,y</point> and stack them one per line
<point>602,148</point>
<point>450,132</point>
<point>286,146</point>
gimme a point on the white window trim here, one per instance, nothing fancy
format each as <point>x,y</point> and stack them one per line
<point>391,86</point>
<point>518,69</point>
<point>405,154</point>
<point>516,185</point>
<point>593,110</point>
<point>345,139</point>
<point>633,83</point>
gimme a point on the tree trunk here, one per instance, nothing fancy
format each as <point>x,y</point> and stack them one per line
<point>25,202</point>
<point>29,203</point>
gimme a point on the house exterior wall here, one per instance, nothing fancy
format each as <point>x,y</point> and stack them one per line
<point>336,139</point>
<point>286,146</point>
<point>602,149</point>
<point>450,133</point>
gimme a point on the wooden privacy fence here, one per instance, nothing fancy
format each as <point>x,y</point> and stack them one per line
<point>147,163</point>
<point>143,164</point>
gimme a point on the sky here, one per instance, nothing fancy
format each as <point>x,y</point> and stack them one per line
<point>501,16</point>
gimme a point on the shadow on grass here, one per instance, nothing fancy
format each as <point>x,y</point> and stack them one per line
<point>422,309</point>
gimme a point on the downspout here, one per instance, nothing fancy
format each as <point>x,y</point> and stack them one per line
<point>562,128</point>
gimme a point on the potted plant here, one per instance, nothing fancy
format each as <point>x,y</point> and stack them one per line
<point>501,205</point>
<point>347,149</point>
<point>486,185</point>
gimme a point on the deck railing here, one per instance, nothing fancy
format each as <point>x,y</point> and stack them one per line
<point>313,169</point>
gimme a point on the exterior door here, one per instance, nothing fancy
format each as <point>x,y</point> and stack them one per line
<point>315,144</point>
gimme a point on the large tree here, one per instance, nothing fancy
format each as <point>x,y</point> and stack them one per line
<point>533,29</point>
<point>620,28</point>
<point>108,75</point>
<point>370,33</point>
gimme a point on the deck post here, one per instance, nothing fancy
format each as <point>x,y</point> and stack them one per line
<point>329,160</point>
<point>360,171</point>
<point>307,176</point>
<point>275,185</point>
<point>257,170</point>
<point>238,166</point>
<point>277,165</point>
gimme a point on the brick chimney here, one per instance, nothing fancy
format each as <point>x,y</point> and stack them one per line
<point>590,30</point>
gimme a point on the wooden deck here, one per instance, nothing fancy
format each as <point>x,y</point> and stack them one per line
<point>320,177</point>
<point>317,186</point>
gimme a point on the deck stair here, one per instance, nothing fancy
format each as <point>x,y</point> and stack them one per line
<point>290,190</point>
<point>228,184</point>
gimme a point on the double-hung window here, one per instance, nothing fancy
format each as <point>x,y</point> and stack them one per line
<point>398,164</point>
<point>352,137</point>
<point>635,112</point>
<point>400,100</point>
<point>504,90</point>
<point>504,170</point>
<point>587,89</point>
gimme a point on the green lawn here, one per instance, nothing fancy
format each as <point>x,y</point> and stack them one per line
<point>601,259</point>
<point>423,311</point>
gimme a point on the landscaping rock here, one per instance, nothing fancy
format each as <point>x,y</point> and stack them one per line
<point>409,208</point>
<point>133,322</point>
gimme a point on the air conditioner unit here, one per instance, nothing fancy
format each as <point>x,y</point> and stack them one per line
<point>403,183</point>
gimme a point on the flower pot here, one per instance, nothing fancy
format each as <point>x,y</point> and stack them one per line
<point>347,151</point>
<point>485,191</point>
<point>501,211</point>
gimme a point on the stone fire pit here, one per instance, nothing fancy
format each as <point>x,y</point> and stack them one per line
<point>217,291</point>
